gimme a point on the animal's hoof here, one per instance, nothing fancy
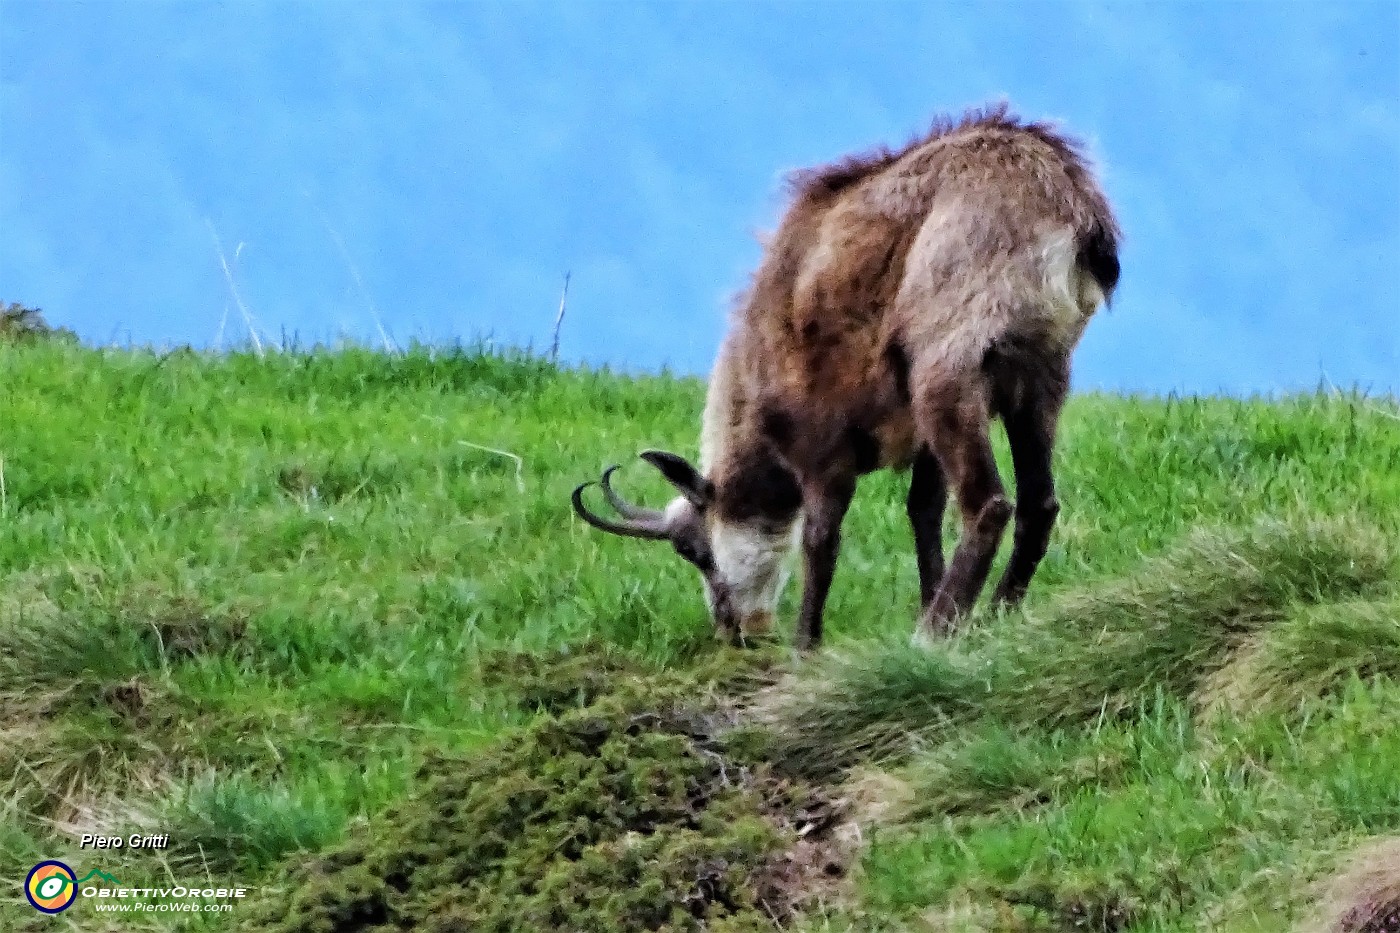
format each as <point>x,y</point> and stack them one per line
<point>729,636</point>
<point>1007,598</point>
<point>928,634</point>
<point>939,621</point>
<point>759,639</point>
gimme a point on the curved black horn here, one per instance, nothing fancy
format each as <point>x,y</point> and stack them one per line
<point>651,527</point>
<point>684,477</point>
<point>623,507</point>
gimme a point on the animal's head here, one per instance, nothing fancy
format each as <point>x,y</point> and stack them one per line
<point>739,551</point>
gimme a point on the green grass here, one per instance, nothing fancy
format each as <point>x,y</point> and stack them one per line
<point>243,600</point>
<point>1089,653</point>
<point>1150,819</point>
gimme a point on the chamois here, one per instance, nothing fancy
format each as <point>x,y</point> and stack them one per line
<point>907,298</point>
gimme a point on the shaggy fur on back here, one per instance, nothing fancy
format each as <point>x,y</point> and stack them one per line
<point>895,272</point>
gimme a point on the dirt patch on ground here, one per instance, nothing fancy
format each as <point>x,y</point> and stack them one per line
<point>633,812</point>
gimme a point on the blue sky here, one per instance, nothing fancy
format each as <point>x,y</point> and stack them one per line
<point>439,167</point>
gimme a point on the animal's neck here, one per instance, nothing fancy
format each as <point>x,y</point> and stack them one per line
<point>753,486</point>
<point>724,411</point>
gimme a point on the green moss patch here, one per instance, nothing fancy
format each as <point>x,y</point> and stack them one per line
<point>556,681</point>
<point>629,813</point>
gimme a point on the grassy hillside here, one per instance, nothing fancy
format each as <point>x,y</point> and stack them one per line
<point>250,602</point>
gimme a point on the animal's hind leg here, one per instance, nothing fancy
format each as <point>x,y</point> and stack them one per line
<point>1030,430</point>
<point>928,497</point>
<point>953,420</point>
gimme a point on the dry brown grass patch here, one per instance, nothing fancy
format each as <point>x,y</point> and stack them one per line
<point>1364,896</point>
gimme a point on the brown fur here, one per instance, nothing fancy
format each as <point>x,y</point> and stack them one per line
<point>906,298</point>
<point>832,297</point>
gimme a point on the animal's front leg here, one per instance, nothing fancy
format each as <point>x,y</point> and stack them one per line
<point>821,543</point>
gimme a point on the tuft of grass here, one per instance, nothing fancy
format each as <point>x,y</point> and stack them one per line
<point>1106,648</point>
<point>1214,832</point>
<point>243,822</point>
<point>1309,653</point>
<point>1094,652</point>
<point>49,637</point>
<point>1363,894</point>
<point>866,704</point>
<point>990,767</point>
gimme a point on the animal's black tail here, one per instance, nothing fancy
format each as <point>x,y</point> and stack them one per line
<point>1098,255</point>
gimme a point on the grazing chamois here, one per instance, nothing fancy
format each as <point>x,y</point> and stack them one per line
<point>906,299</point>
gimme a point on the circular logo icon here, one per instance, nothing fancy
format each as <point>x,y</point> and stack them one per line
<point>51,887</point>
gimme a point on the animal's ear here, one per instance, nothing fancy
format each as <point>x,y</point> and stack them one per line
<point>680,474</point>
